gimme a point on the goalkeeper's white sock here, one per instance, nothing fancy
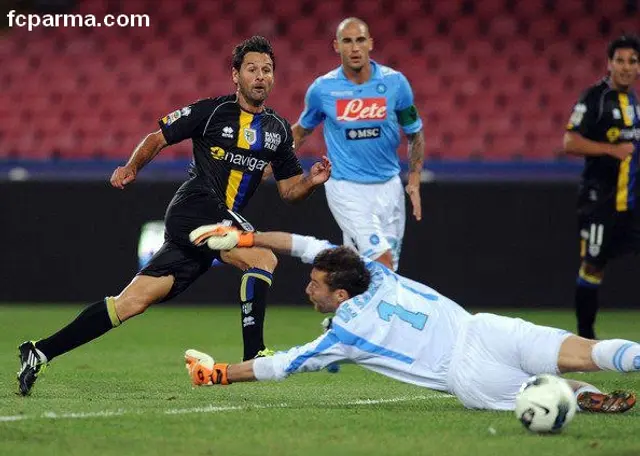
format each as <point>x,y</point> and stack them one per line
<point>617,355</point>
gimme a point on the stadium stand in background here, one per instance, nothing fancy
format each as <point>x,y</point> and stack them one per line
<point>495,80</point>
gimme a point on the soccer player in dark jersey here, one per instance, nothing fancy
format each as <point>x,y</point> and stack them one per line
<point>234,137</point>
<point>605,129</point>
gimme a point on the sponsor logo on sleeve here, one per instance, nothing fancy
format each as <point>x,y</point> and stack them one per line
<point>578,114</point>
<point>175,115</point>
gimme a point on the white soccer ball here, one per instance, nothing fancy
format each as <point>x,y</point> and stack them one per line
<point>545,403</point>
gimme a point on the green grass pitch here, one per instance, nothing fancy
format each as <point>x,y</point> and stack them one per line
<point>128,393</point>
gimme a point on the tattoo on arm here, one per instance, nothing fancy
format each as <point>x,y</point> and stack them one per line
<point>416,151</point>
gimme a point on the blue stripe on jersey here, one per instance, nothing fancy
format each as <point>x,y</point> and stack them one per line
<point>329,341</point>
<point>348,338</point>
<point>428,296</point>
<point>242,191</point>
<point>256,125</point>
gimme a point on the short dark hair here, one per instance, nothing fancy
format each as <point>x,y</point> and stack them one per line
<point>254,44</point>
<point>345,270</point>
<point>623,42</point>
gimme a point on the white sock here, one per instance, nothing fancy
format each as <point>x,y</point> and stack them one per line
<point>584,389</point>
<point>617,355</point>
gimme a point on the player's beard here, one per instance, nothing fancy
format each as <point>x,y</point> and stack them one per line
<point>625,81</point>
<point>254,100</point>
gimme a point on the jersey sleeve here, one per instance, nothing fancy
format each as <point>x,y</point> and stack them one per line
<point>187,122</point>
<point>313,114</point>
<point>307,248</point>
<point>406,111</point>
<point>285,164</point>
<point>585,114</point>
<point>311,357</point>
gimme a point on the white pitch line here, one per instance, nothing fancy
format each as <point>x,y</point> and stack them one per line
<point>208,409</point>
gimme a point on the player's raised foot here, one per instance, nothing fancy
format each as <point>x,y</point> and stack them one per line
<point>199,366</point>
<point>614,402</point>
<point>31,364</point>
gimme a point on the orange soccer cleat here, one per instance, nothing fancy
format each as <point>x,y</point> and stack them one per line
<point>614,402</point>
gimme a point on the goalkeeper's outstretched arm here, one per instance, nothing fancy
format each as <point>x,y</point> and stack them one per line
<point>221,237</point>
<point>311,357</point>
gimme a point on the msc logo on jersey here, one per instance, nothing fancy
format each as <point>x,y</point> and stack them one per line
<point>362,133</point>
<point>250,135</point>
<point>352,110</point>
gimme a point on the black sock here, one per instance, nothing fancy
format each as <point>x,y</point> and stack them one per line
<point>586,309</point>
<point>92,322</point>
<point>253,297</point>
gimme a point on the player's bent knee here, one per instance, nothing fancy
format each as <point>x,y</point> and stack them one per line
<point>142,292</point>
<point>255,257</point>
<point>130,306</point>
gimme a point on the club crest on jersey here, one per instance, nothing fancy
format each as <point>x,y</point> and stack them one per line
<point>250,135</point>
<point>355,109</point>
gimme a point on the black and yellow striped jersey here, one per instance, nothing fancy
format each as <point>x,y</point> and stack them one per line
<point>232,147</point>
<point>604,114</point>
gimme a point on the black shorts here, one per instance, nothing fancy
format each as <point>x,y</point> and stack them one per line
<point>189,209</point>
<point>607,234</point>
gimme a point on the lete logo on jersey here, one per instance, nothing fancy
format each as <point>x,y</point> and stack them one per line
<point>354,109</point>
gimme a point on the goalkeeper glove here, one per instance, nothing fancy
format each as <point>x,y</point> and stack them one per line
<point>221,237</point>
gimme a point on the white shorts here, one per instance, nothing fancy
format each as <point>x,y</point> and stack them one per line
<point>371,216</point>
<point>495,355</point>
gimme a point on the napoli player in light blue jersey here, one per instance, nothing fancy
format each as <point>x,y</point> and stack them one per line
<point>364,105</point>
<point>408,331</point>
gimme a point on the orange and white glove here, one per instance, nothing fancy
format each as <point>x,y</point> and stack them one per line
<point>221,237</point>
<point>203,370</point>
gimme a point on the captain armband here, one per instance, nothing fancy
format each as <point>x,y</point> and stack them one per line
<point>407,116</point>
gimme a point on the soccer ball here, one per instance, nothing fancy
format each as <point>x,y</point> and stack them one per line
<point>545,403</point>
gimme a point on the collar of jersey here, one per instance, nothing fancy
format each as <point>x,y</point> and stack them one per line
<point>249,112</point>
<point>375,73</point>
<point>631,90</point>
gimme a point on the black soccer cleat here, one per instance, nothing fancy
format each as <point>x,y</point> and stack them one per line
<point>30,366</point>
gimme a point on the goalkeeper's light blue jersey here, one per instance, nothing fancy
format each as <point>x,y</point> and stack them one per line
<point>362,121</point>
<point>399,328</point>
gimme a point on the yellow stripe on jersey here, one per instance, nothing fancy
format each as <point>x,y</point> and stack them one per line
<point>622,194</point>
<point>235,177</point>
<point>244,123</point>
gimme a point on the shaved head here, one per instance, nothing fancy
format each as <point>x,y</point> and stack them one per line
<point>349,21</point>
